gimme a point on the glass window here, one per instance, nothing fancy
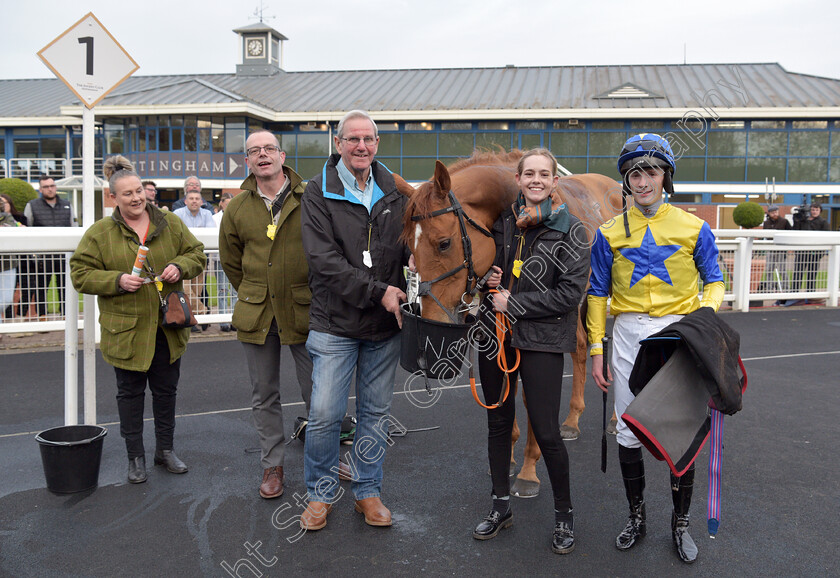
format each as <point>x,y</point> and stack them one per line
<point>141,140</point>
<point>606,143</point>
<point>577,166</point>
<point>807,170</point>
<point>419,145</point>
<point>493,126</point>
<point>26,149</point>
<point>760,169</point>
<point>393,163</point>
<point>163,139</point>
<point>569,125</point>
<point>456,126</point>
<point>835,144</point>
<point>834,177</point>
<point>419,126</point>
<point>806,144</point>
<point>685,145</point>
<point>600,165</point>
<point>280,127</point>
<point>177,120</point>
<point>812,124</point>
<point>307,168</point>
<point>418,169</point>
<point>389,144</point>
<point>234,140</point>
<point>190,139</point>
<point>568,144</point>
<point>204,139</point>
<point>691,169</point>
<point>314,127</point>
<point>607,124</point>
<point>313,145</point>
<point>767,124</point>
<point>52,148</point>
<point>530,141</point>
<point>217,136</point>
<point>727,124</point>
<point>725,169</point>
<point>728,143</point>
<point>530,125</point>
<point>288,144</point>
<point>641,126</point>
<point>768,144</point>
<point>388,126</point>
<point>114,142</point>
<point>177,134</point>
<point>457,144</point>
<point>490,140</point>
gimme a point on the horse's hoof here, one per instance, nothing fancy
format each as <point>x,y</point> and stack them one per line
<point>612,429</point>
<point>569,433</point>
<point>525,488</point>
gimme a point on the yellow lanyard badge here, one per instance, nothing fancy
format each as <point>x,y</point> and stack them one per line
<point>517,262</point>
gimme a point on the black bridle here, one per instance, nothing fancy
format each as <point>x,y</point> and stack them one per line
<point>473,285</point>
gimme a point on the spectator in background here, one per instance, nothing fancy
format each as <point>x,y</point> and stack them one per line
<point>192,184</point>
<point>807,263</point>
<point>776,269</point>
<point>151,192</point>
<point>226,294</point>
<point>49,210</point>
<point>194,216</point>
<point>8,265</point>
<point>18,216</point>
<point>25,264</point>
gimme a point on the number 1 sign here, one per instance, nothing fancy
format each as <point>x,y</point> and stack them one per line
<point>89,60</point>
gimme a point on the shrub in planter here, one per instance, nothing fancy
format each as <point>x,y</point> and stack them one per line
<point>748,215</point>
<point>20,191</point>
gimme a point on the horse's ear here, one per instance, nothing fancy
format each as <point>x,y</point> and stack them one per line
<point>403,186</point>
<point>441,178</point>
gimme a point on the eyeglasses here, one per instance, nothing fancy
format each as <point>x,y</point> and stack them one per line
<point>354,140</point>
<point>255,151</point>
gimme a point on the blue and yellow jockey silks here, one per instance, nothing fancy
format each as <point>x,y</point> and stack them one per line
<point>654,271</point>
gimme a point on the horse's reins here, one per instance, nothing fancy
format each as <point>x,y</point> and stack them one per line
<point>425,287</point>
<point>502,327</point>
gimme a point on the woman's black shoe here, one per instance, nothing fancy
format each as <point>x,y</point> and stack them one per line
<point>136,470</point>
<point>563,541</point>
<point>492,524</point>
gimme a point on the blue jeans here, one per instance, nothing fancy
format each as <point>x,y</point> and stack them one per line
<point>334,361</point>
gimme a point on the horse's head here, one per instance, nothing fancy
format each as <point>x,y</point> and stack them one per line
<point>450,244</point>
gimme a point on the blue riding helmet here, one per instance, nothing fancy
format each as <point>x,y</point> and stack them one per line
<point>648,145</point>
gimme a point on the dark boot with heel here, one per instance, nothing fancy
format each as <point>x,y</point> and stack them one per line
<point>681,490</point>
<point>634,486</point>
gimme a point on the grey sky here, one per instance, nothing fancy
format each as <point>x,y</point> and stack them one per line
<point>192,36</point>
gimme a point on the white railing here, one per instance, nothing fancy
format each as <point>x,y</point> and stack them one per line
<point>3,170</point>
<point>30,169</point>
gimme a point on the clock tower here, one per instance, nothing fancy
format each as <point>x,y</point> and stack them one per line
<point>262,50</point>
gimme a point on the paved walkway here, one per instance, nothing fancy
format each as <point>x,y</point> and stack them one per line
<point>779,503</point>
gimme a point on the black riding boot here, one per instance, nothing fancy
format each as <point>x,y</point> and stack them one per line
<point>681,489</point>
<point>634,485</point>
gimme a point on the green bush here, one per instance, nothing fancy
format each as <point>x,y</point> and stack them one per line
<point>20,191</point>
<point>748,215</point>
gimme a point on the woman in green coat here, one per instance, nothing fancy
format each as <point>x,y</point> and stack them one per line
<point>133,340</point>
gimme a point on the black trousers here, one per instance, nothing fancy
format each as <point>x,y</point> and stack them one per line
<point>542,378</point>
<point>131,394</point>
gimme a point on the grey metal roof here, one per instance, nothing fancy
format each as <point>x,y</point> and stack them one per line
<point>457,89</point>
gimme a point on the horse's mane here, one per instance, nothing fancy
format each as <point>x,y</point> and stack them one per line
<point>421,202</point>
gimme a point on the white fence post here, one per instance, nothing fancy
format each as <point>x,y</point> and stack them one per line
<point>833,277</point>
<point>71,348</point>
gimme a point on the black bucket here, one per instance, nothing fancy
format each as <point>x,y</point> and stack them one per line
<point>71,455</point>
<point>434,348</point>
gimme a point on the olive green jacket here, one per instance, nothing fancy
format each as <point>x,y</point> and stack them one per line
<point>130,320</point>
<point>271,277</point>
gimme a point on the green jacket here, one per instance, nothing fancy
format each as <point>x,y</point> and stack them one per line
<point>130,320</point>
<point>271,277</point>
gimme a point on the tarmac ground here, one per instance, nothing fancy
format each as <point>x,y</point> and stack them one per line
<point>780,480</point>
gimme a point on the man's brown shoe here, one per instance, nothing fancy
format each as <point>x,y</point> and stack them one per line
<point>344,473</point>
<point>376,514</point>
<point>272,483</point>
<point>315,516</point>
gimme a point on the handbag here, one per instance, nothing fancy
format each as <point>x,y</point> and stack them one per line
<point>176,310</point>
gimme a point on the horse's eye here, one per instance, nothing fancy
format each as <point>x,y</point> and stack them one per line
<point>444,245</point>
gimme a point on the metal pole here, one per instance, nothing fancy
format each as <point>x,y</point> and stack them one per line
<point>89,215</point>
<point>71,348</point>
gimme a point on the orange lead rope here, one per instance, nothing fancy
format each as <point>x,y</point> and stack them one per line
<point>502,327</point>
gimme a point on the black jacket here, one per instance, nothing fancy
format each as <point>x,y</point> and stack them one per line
<point>548,292</point>
<point>780,224</point>
<point>713,344</point>
<point>818,224</point>
<point>346,294</point>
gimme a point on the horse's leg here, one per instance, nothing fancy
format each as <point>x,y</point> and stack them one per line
<point>570,430</point>
<point>514,437</point>
<point>527,484</point>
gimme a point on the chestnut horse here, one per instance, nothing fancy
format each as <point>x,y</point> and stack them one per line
<point>484,186</point>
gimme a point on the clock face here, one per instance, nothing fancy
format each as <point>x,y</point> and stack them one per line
<point>255,47</point>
